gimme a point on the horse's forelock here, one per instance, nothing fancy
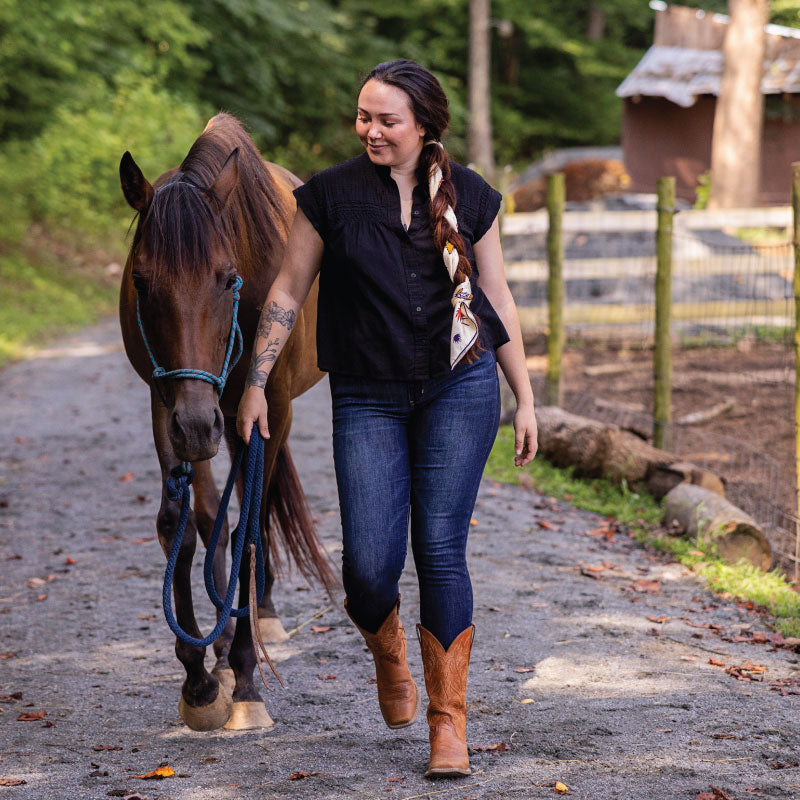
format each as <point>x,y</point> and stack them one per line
<point>179,232</point>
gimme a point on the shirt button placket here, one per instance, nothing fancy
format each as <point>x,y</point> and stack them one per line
<point>418,319</point>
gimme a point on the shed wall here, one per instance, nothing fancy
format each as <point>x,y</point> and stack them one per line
<point>660,138</point>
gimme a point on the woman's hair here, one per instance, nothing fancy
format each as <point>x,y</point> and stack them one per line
<point>430,108</point>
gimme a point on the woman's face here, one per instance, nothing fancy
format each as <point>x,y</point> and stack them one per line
<point>386,126</point>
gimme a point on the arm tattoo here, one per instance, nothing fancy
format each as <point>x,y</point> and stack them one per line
<point>272,313</point>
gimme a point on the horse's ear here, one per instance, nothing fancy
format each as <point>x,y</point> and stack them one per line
<point>227,179</point>
<point>136,188</point>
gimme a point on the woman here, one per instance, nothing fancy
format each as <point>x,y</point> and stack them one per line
<point>408,334</point>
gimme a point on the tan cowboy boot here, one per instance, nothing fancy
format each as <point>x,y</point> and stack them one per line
<point>398,695</point>
<point>446,681</point>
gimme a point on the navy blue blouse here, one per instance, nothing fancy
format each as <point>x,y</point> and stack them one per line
<point>384,293</point>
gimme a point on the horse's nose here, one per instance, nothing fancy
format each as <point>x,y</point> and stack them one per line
<point>195,433</point>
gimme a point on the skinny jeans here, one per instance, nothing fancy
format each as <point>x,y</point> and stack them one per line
<point>412,451</point>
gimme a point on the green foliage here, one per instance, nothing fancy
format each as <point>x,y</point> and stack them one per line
<point>41,297</point>
<point>51,47</point>
<point>703,190</point>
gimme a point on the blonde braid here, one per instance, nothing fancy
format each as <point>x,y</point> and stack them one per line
<point>464,328</point>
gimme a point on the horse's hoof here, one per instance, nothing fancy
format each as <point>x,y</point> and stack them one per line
<point>248,715</point>
<point>272,630</point>
<point>210,717</point>
<point>225,677</point>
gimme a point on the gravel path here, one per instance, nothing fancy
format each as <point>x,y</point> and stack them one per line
<point>569,678</point>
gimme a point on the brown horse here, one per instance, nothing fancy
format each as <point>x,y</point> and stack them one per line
<point>223,212</point>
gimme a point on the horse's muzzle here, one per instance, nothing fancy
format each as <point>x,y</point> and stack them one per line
<point>195,431</point>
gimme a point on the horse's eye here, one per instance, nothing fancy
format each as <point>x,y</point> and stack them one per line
<point>139,282</point>
<point>231,281</point>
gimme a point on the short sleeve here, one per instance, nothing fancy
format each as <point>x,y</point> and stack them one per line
<point>311,199</point>
<point>488,208</point>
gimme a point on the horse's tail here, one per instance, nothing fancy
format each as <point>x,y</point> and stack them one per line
<point>292,526</point>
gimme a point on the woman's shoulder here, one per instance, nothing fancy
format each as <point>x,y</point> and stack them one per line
<point>351,169</point>
<point>466,178</point>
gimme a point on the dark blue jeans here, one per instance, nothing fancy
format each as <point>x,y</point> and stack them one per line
<point>412,450</point>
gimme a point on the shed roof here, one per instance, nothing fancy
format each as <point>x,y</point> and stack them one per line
<point>681,74</point>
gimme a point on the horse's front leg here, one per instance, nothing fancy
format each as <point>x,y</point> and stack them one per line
<point>204,705</point>
<point>206,504</point>
<point>249,710</point>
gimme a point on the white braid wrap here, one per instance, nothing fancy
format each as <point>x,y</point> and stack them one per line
<point>464,330</point>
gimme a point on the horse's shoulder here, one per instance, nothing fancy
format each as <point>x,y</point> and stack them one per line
<point>283,175</point>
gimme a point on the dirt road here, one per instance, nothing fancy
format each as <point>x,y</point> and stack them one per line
<point>570,681</point>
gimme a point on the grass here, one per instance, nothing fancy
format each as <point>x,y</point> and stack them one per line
<point>43,296</point>
<point>642,514</point>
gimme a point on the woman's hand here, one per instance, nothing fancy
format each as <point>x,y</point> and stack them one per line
<point>526,440</point>
<point>252,410</point>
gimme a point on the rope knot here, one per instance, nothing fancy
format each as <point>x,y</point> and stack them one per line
<point>179,480</point>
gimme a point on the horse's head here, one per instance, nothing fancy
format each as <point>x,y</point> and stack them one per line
<point>182,265</point>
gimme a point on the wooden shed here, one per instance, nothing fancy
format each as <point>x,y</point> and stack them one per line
<point>669,100</point>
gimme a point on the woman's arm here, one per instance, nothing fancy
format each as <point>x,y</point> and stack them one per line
<point>300,265</point>
<point>510,356</point>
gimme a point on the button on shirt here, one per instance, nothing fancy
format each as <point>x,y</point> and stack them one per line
<point>384,306</point>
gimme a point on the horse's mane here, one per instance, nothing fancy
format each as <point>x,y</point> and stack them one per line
<point>180,225</point>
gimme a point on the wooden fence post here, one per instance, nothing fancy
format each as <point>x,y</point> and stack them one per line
<point>662,357</point>
<point>796,243</point>
<point>555,287</point>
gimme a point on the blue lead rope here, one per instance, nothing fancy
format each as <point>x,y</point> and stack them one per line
<point>247,531</point>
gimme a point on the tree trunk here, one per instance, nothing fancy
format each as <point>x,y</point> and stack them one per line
<point>597,23</point>
<point>705,516</point>
<point>480,121</point>
<point>739,113</point>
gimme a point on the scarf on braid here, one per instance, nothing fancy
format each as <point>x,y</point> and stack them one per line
<point>464,330</point>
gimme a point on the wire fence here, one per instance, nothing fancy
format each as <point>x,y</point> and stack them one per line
<point>732,338</point>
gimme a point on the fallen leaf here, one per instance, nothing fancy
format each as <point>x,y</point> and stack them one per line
<point>8,654</point>
<point>148,617</point>
<point>395,780</point>
<point>546,525</point>
<point>48,723</point>
<point>296,776</point>
<point>561,788</point>
<point>41,597</point>
<point>760,637</point>
<point>35,583</point>
<point>715,662</point>
<point>695,624</point>
<point>126,478</point>
<point>473,521</point>
<point>99,747</point>
<point>144,539</point>
<point>69,562</point>
<point>326,677</point>
<point>586,573</point>
<point>157,774</point>
<point>321,628</point>
<point>11,697</point>
<point>20,440</point>
<point>31,716</point>
<point>525,669</point>
<point>526,701</point>
<point>11,782</point>
<point>596,567</point>
<point>773,764</point>
<point>644,585</point>
<point>659,620</point>
<point>484,748</point>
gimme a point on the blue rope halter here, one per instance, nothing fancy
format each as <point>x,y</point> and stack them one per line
<point>230,362</point>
